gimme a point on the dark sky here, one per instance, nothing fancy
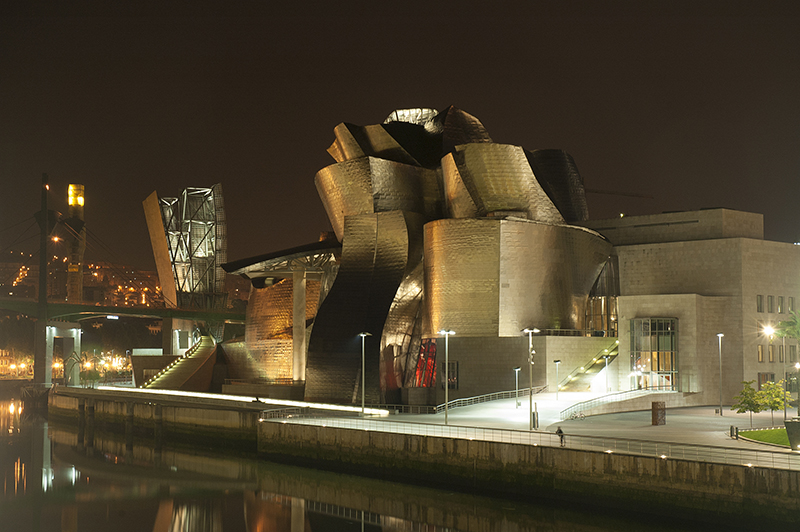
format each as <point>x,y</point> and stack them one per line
<point>696,104</point>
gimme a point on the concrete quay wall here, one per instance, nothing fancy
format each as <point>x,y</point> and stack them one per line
<point>701,490</point>
<point>203,426</point>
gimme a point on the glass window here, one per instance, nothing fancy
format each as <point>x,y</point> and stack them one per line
<point>792,353</point>
<point>759,303</point>
<point>764,378</point>
<point>654,352</point>
<point>780,305</point>
<point>770,303</point>
<point>791,304</point>
<point>760,353</point>
<point>771,353</point>
<point>452,375</point>
<point>780,353</point>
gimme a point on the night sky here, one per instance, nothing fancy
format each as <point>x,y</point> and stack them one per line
<point>695,104</point>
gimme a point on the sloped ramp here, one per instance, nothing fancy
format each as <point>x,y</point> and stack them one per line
<point>580,379</point>
<point>192,372</point>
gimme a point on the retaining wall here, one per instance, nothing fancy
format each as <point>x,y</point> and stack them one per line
<point>707,491</point>
<point>204,426</point>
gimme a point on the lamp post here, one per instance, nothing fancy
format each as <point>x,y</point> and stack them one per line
<point>516,387</point>
<point>719,336</point>
<point>529,331</point>
<point>605,357</point>
<point>446,334</point>
<point>783,359</point>
<point>363,336</point>
<point>557,362</point>
<point>770,331</point>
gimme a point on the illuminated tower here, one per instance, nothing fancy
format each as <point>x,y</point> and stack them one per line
<point>78,246</point>
<point>189,245</point>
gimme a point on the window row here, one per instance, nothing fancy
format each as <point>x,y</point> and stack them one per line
<point>771,301</point>
<point>771,348</point>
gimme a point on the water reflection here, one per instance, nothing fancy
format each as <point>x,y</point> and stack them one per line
<point>70,478</point>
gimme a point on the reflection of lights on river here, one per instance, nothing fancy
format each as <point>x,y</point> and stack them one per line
<point>9,416</point>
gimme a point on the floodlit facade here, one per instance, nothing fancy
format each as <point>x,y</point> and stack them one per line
<point>686,277</point>
<point>437,227</point>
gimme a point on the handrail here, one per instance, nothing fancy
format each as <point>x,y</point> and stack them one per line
<point>663,450</point>
<point>467,401</point>
<point>189,352</point>
<point>574,373</point>
<point>609,398</point>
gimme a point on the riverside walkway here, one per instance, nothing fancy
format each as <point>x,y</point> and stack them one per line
<point>691,433</point>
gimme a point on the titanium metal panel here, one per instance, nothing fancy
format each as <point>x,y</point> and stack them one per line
<point>401,332</point>
<point>375,250</point>
<point>398,141</point>
<point>369,184</point>
<point>375,141</point>
<point>462,265</point>
<point>495,177</point>
<point>459,127</point>
<point>344,147</point>
<point>557,173</point>
<point>546,274</point>
<point>495,277</point>
<point>267,352</point>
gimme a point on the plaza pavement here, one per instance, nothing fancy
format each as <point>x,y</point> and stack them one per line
<point>688,425</point>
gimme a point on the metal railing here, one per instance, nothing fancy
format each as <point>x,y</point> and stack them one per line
<point>609,398</point>
<point>467,401</point>
<point>612,351</point>
<point>662,450</point>
<point>597,333</point>
<point>280,381</point>
<point>188,354</point>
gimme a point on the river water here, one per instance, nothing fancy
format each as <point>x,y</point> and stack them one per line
<point>55,479</point>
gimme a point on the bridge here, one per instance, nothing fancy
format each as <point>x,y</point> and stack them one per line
<point>77,311</point>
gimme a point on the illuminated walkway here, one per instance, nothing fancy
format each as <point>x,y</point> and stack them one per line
<point>697,425</point>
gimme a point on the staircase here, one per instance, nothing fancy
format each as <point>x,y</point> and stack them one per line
<point>580,378</point>
<point>191,372</point>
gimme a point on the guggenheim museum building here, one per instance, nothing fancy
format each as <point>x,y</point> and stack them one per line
<point>457,261</point>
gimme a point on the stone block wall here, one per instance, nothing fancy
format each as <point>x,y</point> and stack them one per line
<point>651,484</point>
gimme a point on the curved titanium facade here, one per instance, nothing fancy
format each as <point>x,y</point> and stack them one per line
<point>442,229</point>
<point>376,252</point>
<point>557,174</point>
<point>484,178</point>
<point>495,277</point>
<point>368,185</point>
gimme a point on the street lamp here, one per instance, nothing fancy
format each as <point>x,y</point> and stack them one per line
<point>783,359</point>
<point>719,336</point>
<point>529,331</point>
<point>770,331</point>
<point>606,357</point>
<point>363,336</point>
<point>557,362</point>
<point>516,387</point>
<point>446,334</point>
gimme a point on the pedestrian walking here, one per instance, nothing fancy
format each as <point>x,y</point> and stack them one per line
<point>560,435</point>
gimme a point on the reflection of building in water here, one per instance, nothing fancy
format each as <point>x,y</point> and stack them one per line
<point>189,516</point>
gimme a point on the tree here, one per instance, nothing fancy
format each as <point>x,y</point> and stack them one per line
<point>747,401</point>
<point>789,328</point>
<point>772,397</point>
